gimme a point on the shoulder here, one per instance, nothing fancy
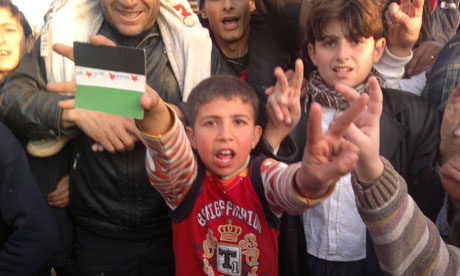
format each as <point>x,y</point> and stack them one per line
<point>398,101</point>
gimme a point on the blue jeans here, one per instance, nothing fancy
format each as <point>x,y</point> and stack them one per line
<point>444,76</point>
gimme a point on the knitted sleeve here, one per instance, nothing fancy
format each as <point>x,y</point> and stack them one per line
<point>170,163</point>
<point>406,242</point>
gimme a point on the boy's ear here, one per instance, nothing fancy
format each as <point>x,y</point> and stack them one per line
<point>379,49</point>
<point>191,136</point>
<point>30,43</point>
<point>312,53</point>
<point>257,135</point>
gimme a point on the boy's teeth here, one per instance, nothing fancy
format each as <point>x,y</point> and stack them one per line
<point>3,52</point>
<point>226,152</point>
<point>342,69</point>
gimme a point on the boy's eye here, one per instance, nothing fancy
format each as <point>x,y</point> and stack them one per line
<point>357,41</point>
<point>240,122</point>
<point>210,123</point>
<point>329,43</point>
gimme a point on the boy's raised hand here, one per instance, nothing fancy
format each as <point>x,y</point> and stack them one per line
<point>157,118</point>
<point>364,132</point>
<point>403,26</point>
<point>283,104</point>
<point>327,157</point>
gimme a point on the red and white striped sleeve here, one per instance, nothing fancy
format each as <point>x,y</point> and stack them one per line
<point>170,163</point>
<point>279,182</point>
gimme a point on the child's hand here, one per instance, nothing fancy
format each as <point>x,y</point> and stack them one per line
<point>283,104</point>
<point>327,157</point>
<point>365,131</point>
<point>157,118</point>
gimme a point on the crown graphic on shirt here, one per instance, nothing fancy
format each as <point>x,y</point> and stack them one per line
<point>229,232</point>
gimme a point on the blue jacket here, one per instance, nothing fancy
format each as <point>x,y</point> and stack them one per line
<point>28,230</point>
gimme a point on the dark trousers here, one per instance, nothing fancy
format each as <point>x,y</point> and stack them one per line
<point>97,255</point>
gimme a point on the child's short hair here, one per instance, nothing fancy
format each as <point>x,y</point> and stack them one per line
<point>18,15</point>
<point>221,86</point>
<point>362,18</point>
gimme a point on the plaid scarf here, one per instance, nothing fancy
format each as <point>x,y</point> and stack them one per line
<point>318,91</point>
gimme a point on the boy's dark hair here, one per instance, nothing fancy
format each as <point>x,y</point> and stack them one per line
<point>18,15</point>
<point>221,86</point>
<point>362,18</point>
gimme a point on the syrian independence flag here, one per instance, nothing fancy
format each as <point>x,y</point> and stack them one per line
<point>109,79</point>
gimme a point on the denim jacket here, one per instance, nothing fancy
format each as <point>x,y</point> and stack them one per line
<point>444,75</point>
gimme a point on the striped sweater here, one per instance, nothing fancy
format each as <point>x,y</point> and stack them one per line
<point>172,169</point>
<point>406,242</point>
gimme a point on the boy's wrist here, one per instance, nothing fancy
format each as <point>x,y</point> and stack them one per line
<point>370,171</point>
<point>310,192</point>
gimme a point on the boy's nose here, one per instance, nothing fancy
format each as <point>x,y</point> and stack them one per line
<point>343,52</point>
<point>228,5</point>
<point>225,132</point>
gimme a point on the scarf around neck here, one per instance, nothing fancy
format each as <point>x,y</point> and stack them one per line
<point>318,91</point>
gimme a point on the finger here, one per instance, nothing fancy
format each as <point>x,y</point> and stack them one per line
<point>418,5</point>
<point>282,80</point>
<point>344,162</point>
<point>60,203</point>
<point>341,122</point>
<point>388,20</point>
<point>415,61</point>
<point>67,104</point>
<point>375,103</point>
<point>354,135</point>
<point>273,105</point>
<point>269,91</point>
<point>60,87</point>
<point>99,40</point>
<point>349,93</point>
<point>393,13</point>
<point>314,129</point>
<point>63,50</point>
<point>64,195</point>
<point>298,78</point>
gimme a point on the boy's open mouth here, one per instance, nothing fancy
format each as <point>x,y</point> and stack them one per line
<point>223,157</point>
<point>230,22</point>
<point>4,52</point>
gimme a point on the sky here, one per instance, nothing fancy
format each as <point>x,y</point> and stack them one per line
<point>34,10</point>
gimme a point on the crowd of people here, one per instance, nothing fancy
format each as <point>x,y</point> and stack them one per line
<point>279,137</point>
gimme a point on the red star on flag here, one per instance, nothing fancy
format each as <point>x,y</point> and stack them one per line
<point>111,76</point>
<point>89,74</point>
<point>134,78</point>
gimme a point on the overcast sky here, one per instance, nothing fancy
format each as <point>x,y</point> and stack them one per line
<point>34,10</point>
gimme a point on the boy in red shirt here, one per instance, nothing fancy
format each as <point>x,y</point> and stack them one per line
<point>225,204</point>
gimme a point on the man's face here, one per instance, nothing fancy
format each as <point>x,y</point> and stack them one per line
<point>130,17</point>
<point>340,59</point>
<point>224,133</point>
<point>228,19</point>
<point>12,42</point>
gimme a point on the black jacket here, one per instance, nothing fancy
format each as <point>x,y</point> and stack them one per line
<point>409,139</point>
<point>28,230</point>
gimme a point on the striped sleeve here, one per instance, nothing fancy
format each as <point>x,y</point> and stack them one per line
<point>170,163</point>
<point>279,183</point>
<point>406,242</point>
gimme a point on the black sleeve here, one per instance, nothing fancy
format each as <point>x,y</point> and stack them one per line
<point>34,231</point>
